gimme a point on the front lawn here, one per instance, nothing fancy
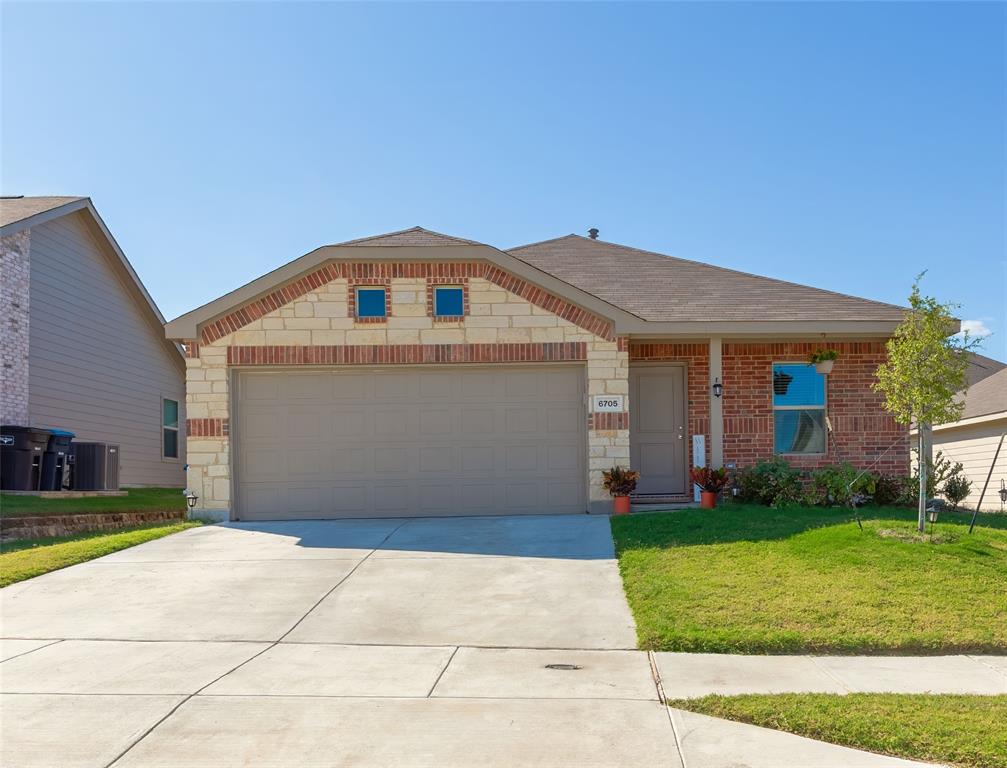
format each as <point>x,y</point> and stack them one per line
<point>22,560</point>
<point>751,579</point>
<point>956,730</point>
<point>136,500</point>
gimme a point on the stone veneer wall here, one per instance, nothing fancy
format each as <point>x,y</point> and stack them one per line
<point>14,296</point>
<point>500,319</point>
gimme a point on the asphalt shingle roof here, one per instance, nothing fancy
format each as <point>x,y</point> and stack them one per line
<point>981,367</point>
<point>14,209</point>
<point>987,396</point>
<point>407,237</point>
<point>658,288</point>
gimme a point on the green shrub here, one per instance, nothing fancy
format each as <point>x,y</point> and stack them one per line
<point>772,482</point>
<point>957,487</point>
<point>939,469</point>
<point>839,485</point>
<point>895,491</point>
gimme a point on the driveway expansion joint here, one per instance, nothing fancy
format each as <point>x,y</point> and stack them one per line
<point>445,669</point>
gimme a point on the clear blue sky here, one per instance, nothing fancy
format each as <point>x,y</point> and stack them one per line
<point>847,146</point>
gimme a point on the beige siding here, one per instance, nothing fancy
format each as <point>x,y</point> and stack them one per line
<point>98,364</point>
<point>974,446</point>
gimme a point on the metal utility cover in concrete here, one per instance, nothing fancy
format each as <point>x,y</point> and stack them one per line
<point>393,443</point>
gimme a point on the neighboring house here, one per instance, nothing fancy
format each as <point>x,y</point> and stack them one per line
<point>974,438</point>
<point>415,373</point>
<point>981,367</point>
<point>83,344</point>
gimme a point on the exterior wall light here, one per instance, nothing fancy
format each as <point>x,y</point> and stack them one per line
<point>190,498</point>
<point>718,388</point>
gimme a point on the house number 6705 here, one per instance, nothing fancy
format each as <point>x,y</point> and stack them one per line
<point>608,403</point>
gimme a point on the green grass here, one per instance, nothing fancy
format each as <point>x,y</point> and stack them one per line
<point>749,579</point>
<point>20,560</point>
<point>957,730</point>
<point>136,500</point>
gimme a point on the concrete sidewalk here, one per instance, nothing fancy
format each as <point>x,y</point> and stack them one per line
<point>691,675</point>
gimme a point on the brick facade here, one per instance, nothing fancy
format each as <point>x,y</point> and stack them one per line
<point>14,317</point>
<point>862,430</point>
<point>309,322</point>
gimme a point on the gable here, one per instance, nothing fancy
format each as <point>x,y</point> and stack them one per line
<point>329,288</point>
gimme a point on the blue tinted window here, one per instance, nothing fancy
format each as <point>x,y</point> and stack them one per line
<point>798,385</point>
<point>449,302</point>
<point>371,302</point>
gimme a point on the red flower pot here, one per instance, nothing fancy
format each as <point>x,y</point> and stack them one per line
<point>707,499</point>
<point>620,505</point>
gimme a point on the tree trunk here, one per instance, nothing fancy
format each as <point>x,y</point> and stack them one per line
<point>923,455</point>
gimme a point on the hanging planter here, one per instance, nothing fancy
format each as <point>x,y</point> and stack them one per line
<point>781,382</point>
<point>823,359</point>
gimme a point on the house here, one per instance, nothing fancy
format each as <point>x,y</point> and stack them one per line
<point>981,367</point>
<point>977,438</point>
<point>83,344</point>
<point>415,373</point>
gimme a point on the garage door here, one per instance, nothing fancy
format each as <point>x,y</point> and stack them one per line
<point>393,442</point>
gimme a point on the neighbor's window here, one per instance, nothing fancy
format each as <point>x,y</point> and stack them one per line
<point>449,301</point>
<point>371,302</point>
<point>169,428</point>
<point>798,409</point>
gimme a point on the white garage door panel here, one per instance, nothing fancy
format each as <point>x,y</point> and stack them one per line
<point>390,443</point>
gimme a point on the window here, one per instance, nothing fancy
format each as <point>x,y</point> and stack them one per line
<point>798,409</point>
<point>449,301</point>
<point>169,428</point>
<point>371,302</point>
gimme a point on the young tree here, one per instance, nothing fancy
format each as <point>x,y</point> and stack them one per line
<point>924,372</point>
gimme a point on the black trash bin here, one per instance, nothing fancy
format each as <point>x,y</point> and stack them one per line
<point>55,465</point>
<point>21,451</point>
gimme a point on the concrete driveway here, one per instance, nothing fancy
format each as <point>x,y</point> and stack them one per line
<point>449,642</point>
<point>416,642</point>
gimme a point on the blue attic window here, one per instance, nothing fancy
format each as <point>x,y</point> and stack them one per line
<point>449,301</point>
<point>371,302</point>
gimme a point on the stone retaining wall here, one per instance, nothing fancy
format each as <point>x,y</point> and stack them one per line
<point>37,527</point>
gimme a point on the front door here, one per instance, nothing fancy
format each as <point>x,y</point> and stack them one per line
<point>657,438</point>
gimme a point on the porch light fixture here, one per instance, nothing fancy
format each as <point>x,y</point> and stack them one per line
<point>1003,493</point>
<point>190,498</point>
<point>718,388</point>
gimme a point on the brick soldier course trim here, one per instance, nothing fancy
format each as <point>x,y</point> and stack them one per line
<point>460,282</point>
<point>383,272</point>
<point>550,302</point>
<point>608,420</point>
<point>368,282</point>
<point>405,354</point>
<point>207,427</point>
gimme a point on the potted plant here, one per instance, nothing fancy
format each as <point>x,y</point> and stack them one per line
<point>823,359</point>
<point>620,482</point>
<point>711,482</point>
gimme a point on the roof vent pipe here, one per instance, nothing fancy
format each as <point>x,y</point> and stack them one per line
<point>592,233</point>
